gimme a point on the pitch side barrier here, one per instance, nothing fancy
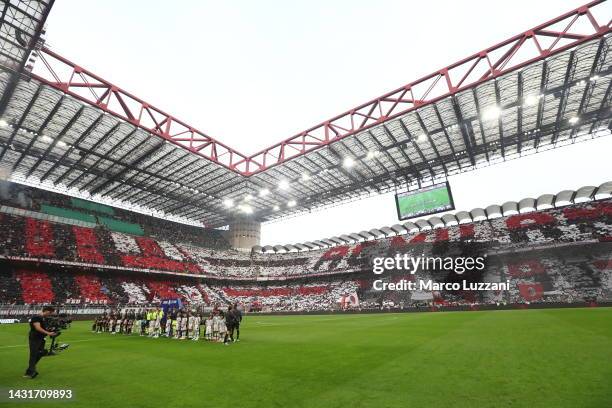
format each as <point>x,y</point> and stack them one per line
<point>463,308</point>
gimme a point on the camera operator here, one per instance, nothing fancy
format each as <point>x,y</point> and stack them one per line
<point>37,339</point>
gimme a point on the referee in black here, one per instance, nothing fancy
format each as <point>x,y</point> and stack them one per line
<point>237,320</point>
<point>230,324</point>
<point>36,339</point>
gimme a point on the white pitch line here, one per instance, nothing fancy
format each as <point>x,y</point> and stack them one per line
<point>25,345</point>
<point>331,319</point>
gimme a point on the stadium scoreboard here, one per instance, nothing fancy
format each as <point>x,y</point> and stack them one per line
<point>428,200</point>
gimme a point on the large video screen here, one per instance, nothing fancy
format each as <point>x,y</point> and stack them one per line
<point>428,200</point>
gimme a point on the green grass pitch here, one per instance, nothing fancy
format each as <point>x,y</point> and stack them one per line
<point>522,358</point>
<point>423,202</point>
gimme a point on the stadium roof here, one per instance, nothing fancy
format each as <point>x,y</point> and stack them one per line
<point>65,128</point>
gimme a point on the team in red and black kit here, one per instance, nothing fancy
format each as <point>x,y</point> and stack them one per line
<point>183,324</point>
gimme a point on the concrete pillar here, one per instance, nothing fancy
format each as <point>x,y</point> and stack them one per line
<point>5,172</point>
<point>244,233</point>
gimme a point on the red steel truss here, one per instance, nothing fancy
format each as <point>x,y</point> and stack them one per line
<point>555,36</point>
<point>88,87</point>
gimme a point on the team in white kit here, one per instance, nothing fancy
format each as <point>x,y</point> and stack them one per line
<point>219,326</point>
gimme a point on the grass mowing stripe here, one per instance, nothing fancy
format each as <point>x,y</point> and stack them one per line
<point>521,358</point>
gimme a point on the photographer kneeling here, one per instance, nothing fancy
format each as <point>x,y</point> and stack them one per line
<point>37,339</point>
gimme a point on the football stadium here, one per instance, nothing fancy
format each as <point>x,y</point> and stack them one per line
<point>135,270</point>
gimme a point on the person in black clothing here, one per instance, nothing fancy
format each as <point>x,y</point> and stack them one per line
<point>237,320</point>
<point>36,340</point>
<point>230,323</point>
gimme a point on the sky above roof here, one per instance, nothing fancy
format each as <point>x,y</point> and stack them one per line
<point>253,73</point>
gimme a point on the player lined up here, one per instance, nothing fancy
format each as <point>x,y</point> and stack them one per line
<point>219,326</point>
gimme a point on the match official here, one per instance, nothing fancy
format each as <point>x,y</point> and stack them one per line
<point>237,320</point>
<point>36,340</point>
<point>230,324</point>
